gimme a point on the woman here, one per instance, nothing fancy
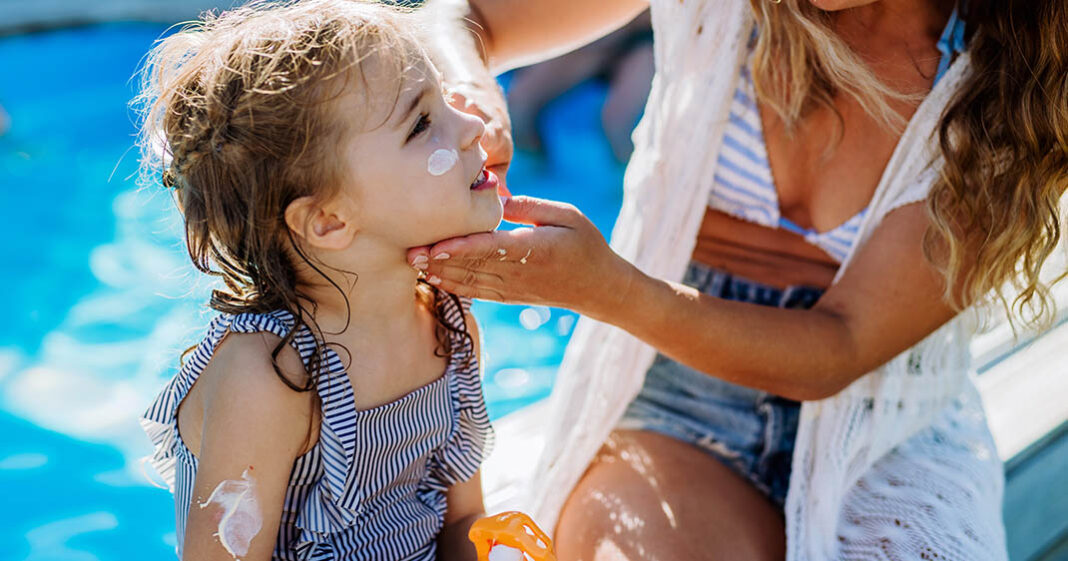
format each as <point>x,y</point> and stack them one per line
<point>834,181</point>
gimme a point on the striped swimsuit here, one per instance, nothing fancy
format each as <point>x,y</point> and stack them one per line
<point>374,485</point>
<point>743,185</point>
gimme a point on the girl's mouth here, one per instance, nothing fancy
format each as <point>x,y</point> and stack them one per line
<point>485,180</point>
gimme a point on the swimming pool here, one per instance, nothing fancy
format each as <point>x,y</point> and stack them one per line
<point>100,298</point>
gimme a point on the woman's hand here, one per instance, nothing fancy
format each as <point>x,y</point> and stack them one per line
<point>562,261</point>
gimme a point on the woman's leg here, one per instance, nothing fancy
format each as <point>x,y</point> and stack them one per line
<point>651,497</point>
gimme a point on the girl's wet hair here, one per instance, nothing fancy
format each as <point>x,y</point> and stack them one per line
<point>238,122</point>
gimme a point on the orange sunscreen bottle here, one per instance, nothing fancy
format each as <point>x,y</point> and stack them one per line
<point>510,536</point>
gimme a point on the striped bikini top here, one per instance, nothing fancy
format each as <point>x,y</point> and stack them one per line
<point>373,486</point>
<point>743,185</point>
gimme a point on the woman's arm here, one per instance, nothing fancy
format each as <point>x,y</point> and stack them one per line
<point>887,300</point>
<point>253,423</point>
<point>513,33</point>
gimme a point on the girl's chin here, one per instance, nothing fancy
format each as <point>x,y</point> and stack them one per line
<point>487,214</point>
<point>484,223</point>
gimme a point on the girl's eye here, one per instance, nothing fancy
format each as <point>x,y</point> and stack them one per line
<point>421,125</point>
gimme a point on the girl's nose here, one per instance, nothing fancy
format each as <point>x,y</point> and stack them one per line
<point>473,129</point>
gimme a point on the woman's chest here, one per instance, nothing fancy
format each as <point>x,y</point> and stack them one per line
<point>827,167</point>
<point>826,170</point>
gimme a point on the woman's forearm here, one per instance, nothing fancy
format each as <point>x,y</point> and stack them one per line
<point>799,354</point>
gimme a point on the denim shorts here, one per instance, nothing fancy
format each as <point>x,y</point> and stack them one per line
<point>750,431</point>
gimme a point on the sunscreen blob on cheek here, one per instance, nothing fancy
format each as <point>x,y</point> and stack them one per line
<point>441,161</point>
<point>241,519</point>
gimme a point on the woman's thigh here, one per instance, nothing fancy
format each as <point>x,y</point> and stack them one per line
<point>651,497</point>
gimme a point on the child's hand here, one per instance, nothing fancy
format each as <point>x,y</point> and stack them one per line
<point>487,103</point>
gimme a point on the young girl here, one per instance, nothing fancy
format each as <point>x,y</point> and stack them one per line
<point>333,410</point>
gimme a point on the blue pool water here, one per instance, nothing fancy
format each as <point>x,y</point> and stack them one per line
<point>100,299</point>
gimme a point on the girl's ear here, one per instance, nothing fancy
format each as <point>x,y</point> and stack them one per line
<point>320,226</point>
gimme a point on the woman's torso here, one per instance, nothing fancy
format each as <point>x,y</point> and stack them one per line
<point>821,183</point>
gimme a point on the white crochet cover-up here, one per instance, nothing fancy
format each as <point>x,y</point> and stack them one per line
<point>899,465</point>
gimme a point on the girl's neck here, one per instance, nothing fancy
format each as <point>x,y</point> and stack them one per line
<point>374,300</point>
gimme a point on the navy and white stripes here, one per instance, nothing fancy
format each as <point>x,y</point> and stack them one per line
<point>374,485</point>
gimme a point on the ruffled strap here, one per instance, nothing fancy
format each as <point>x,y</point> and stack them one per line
<point>336,501</point>
<point>471,438</point>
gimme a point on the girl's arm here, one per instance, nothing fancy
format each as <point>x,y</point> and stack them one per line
<point>252,424</point>
<point>887,300</point>
<point>465,506</point>
<point>464,499</point>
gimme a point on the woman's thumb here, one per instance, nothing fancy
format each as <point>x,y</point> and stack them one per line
<point>539,212</point>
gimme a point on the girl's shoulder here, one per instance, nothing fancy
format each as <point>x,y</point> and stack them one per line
<point>229,386</point>
<point>262,342</point>
<point>260,356</point>
<point>247,380</point>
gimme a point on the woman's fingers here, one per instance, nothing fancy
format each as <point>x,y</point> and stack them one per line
<point>512,245</point>
<point>474,247</point>
<point>477,248</point>
<point>418,257</point>
<point>540,212</point>
<point>464,275</point>
<point>562,261</point>
<point>466,282</point>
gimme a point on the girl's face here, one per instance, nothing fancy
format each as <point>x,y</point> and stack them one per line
<point>414,171</point>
